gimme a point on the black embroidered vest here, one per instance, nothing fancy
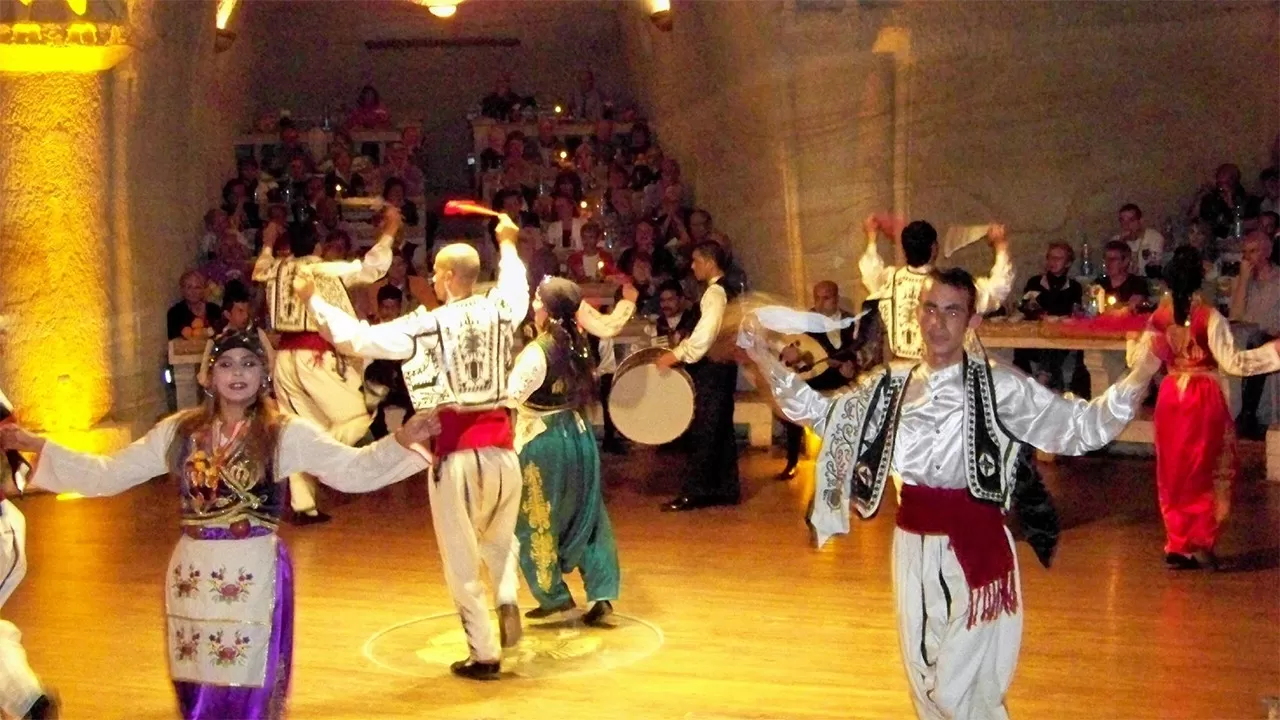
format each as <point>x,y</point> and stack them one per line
<point>562,383</point>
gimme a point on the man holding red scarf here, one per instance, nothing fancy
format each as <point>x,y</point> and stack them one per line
<point>949,429</point>
<point>457,360</point>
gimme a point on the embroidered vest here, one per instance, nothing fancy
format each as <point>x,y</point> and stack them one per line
<point>853,466</point>
<point>465,361</point>
<point>898,312</point>
<point>560,386</point>
<point>242,490</point>
<point>288,313</point>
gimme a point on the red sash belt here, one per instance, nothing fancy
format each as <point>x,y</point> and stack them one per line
<point>976,531</point>
<point>461,430</point>
<point>313,341</point>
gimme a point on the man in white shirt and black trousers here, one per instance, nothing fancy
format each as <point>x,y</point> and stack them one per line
<point>713,467</point>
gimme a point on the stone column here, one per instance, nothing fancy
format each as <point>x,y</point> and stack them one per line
<point>54,253</point>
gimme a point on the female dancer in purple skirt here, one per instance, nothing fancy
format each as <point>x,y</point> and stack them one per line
<point>229,584</point>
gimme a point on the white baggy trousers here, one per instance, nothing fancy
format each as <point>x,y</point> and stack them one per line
<point>19,688</point>
<point>308,385</point>
<point>475,500</point>
<point>955,672</point>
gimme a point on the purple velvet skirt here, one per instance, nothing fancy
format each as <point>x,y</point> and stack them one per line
<point>199,701</point>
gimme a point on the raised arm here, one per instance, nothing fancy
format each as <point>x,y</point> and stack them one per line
<point>304,447</point>
<point>512,289</point>
<point>1050,422</point>
<point>606,326</point>
<point>800,403</point>
<point>527,373</point>
<point>265,266</point>
<point>384,341</point>
<point>875,274</point>
<point>993,289</point>
<point>1222,344</point>
<point>62,470</point>
<point>355,273</point>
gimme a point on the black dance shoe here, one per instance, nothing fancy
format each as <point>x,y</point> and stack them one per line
<point>44,708</point>
<point>316,518</point>
<point>598,612</point>
<point>788,472</point>
<point>1174,561</point>
<point>683,503</point>
<point>541,612</point>
<point>476,670</point>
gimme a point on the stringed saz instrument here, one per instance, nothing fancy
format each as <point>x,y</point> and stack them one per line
<point>813,358</point>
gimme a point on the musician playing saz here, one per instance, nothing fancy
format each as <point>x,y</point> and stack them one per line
<point>827,361</point>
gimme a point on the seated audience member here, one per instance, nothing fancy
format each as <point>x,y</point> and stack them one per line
<point>1269,201</point>
<point>1145,244</point>
<point>336,246</point>
<point>491,157</point>
<point>247,171</point>
<point>396,165</point>
<point>237,314</point>
<point>394,194</point>
<point>1125,287</point>
<point>604,143</point>
<point>645,243</point>
<point>565,233</point>
<point>676,316</point>
<point>1256,300</point>
<point>414,291</point>
<point>238,203</point>
<point>640,272</point>
<point>512,203</point>
<point>193,312</point>
<point>231,261</point>
<point>591,264</point>
<point>502,104</point>
<point>216,223</point>
<point>369,113</point>
<point>1217,203</point>
<point>329,220</point>
<point>539,259</point>
<point>671,218</point>
<point>546,149</point>
<point>342,180</point>
<point>569,184</point>
<point>411,136</point>
<point>1053,293</point>
<point>291,148</point>
<point>586,103</point>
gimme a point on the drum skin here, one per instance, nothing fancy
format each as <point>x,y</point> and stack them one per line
<point>649,405</point>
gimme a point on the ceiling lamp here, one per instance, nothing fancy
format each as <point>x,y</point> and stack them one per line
<point>440,8</point>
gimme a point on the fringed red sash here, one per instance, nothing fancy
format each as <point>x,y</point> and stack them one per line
<point>976,531</point>
<point>474,430</point>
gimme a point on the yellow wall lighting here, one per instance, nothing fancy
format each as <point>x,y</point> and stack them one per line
<point>78,6</point>
<point>54,241</point>
<point>225,8</point>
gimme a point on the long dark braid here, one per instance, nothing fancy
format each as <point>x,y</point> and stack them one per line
<point>1185,275</point>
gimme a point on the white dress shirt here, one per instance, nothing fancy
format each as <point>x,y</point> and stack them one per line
<point>713,303</point>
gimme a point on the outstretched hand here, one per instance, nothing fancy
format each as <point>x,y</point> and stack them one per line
<point>996,236</point>
<point>419,429</point>
<point>629,291</point>
<point>507,231</point>
<point>392,220</point>
<point>15,437</point>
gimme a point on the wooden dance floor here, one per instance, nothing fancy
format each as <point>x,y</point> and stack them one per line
<point>725,614</point>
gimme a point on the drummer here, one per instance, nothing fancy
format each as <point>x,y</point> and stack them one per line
<point>713,467</point>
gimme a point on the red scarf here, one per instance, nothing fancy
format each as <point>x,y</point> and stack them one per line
<point>474,430</point>
<point>976,531</point>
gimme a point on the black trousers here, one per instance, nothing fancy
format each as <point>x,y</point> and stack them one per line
<point>1251,387</point>
<point>606,387</point>
<point>713,461</point>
